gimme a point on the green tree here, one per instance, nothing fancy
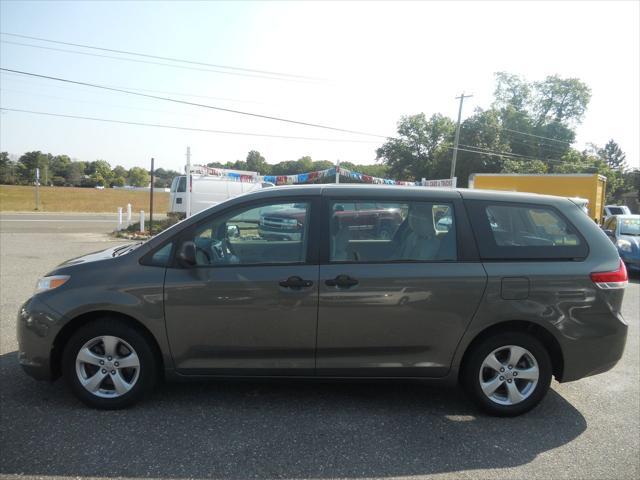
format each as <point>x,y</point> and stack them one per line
<point>483,147</point>
<point>511,92</point>
<point>257,163</point>
<point>119,171</point>
<point>100,172</point>
<point>420,148</point>
<point>119,181</point>
<point>7,169</point>
<point>75,173</point>
<point>58,165</point>
<point>562,100</point>
<point>319,165</point>
<point>138,177</point>
<point>613,155</point>
<point>28,163</point>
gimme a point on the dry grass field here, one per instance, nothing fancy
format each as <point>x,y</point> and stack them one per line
<point>15,198</point>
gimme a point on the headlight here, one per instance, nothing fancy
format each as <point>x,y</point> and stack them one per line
<point>624,245</point>
<point>49,283</point>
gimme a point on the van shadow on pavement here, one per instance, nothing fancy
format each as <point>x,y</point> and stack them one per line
<point>289,429</point>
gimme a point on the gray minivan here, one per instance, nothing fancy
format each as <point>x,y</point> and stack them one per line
<point>498,291</point>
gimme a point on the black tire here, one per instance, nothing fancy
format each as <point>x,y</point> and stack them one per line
<point>471,373</point>
<point>146,374</point>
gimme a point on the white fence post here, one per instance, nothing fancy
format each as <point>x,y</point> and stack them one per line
<point>119,218</point>
<point>141,221</point>
<point>128,214</point>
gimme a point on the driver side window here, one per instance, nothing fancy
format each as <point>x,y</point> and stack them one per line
<point>272,233</point>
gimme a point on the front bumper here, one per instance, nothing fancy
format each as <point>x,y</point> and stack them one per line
<point>279,234</point>
<point>37,327</point>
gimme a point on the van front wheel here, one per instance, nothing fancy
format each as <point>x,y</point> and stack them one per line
<point>507,374</point>
<point>108,364</point>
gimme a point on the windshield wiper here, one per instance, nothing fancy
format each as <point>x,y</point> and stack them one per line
<point>126,248</point>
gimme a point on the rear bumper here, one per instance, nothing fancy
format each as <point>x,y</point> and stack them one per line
<point>584,357</point>
<point>37,326</point>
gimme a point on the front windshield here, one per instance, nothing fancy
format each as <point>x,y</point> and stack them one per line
<point>630,226</point>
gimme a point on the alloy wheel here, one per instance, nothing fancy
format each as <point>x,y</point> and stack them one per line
<point>509,375</point>
<point>107,366</point>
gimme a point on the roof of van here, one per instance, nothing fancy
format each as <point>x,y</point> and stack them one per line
<point>396,191</point>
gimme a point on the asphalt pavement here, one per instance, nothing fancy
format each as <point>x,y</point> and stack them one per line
<point>588,429</point>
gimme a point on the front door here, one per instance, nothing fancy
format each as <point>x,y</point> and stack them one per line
<point>396,304</point>
<point>249,306</point>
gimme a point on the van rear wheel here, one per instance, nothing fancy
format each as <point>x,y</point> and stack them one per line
<point>507,374</point>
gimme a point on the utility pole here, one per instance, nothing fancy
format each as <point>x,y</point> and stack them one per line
<point>151,200</point>
<point>337,171</point>
<point>457,138</point>
<point>188,186</point>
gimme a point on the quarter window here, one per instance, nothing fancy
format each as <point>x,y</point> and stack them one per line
<point>267,234</point>
<point>386,232</point>
<point>524,232</point>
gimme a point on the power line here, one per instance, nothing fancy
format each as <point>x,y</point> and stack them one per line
<point>498,151</point>
<point>532,135</point>
<point>158,57</point>
<point>537,136</point>
<point>226,99</point>
<point>556,149</point>
<point>75,100</point>
<point>177,127</point>
<point>168,99</point>
<point>516,156</point>
<point>148,62</point>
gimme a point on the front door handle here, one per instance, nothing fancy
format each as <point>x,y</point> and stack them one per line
<point>295,282</point>
<point>344,281</point>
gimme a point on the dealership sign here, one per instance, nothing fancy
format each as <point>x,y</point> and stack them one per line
<point>444,183</point>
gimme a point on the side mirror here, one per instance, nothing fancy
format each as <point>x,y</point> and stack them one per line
<point>233,231</point>
<point>187,254</point>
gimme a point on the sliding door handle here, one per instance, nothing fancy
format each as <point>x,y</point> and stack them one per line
<point>342,281</point>
<point>295,282</point>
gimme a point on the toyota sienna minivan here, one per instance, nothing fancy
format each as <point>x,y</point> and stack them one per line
<point>498,291</point>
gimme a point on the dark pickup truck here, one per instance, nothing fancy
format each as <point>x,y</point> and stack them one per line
<point>364,221</point>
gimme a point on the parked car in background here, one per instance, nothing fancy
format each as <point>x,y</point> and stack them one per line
<point>285,223</point>
<point>497,291</point>
<point>368,219</point>
<point>624,232</point>
<point>610,210</point>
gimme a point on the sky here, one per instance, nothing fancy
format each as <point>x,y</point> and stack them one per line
<point>365,64</point>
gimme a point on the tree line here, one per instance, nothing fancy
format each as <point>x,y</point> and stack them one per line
<point>530,127</point>
<point>60,170</point>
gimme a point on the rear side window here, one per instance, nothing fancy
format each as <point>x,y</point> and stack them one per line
<point>525,232</point>
<point>387,232</point>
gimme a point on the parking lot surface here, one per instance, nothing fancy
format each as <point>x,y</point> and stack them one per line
<point>586,429</point>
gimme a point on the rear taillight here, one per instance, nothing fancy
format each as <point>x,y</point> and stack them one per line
<point>610,280</point>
